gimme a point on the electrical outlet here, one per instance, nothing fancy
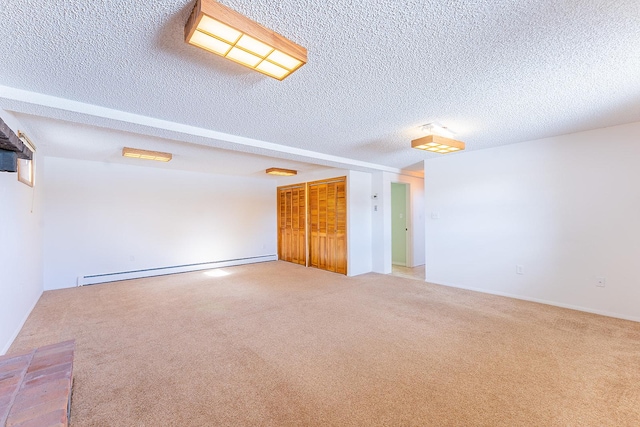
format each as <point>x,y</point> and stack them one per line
<point>435,215</point>
<point>519,269</point>
<point>601,282</point>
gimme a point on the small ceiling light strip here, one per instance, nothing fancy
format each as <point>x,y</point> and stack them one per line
<point>225,32</point>
<point>437,144</point>
<point>281,172</point>
<point>146,154</point>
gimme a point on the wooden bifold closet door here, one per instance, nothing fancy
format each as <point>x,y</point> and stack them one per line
<point>292,210</point>
<point>328,225</point>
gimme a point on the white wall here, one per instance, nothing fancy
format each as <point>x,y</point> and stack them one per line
<point>359,223</point>
<point>382,221</point>
<point>106,218</point>
<point>566,208</point>
<point>359,237</point>
<point>20,247</point>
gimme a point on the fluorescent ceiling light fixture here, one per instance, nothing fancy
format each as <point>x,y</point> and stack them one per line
<point>146,154</point>
<point>437,144</point>
<point>436,128</point>
<point>281,172</point>
<point>225,32</point>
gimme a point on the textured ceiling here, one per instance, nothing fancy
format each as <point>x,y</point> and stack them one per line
<point>495,71</point>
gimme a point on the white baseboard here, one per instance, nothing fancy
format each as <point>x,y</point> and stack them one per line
<point>162,271</point>
<point>547,302</point>
<point>20,325</point>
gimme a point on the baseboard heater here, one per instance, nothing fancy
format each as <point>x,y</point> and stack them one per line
<point>162,271</point>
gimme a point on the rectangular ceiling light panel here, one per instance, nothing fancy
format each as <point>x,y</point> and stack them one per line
<point>281,172</point>
<point>437,144</point>
<point>136,153</point>
<point>225,32</point>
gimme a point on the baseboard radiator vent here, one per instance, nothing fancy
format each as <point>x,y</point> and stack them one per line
<point>162,271</point>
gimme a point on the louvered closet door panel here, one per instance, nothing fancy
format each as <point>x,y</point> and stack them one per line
<point>331,227</point>
<point>295,227</point>
<point>314,214</point>
<point>327,225</point>
<point>282,215</point>
<point>322,226</point>
<point>341,228</point>
<point>301,242</point>
<point>288,231</point>
<point>291,224</point>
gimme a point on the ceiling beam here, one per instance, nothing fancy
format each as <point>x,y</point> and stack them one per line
<point>43,105</point>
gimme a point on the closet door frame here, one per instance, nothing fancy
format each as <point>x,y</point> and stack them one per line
<point>307,216</point>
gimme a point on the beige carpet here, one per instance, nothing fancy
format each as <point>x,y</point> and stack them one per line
<point>277,344</point>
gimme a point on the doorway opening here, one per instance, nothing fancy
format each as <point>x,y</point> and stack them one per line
<point>399,225</point>
<point>402,262</point>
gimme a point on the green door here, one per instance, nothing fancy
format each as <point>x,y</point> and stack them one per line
<point>399,224</point>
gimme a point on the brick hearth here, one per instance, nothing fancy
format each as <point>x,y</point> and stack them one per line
<point>35,388</point>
